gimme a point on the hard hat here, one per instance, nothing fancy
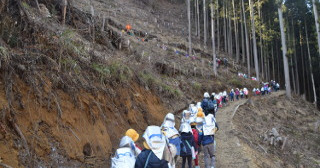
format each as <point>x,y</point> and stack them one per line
<point>199,104</point>
<point>213,94</point>
<point>169,116</point>
<point>206,95</point>
<point>185,127</point>
<point>186,114</point>
<point>155,140</point>
<point>200,114</point>
<point>132,134</point>
<point>125,142</point>
<point>199,120</point>
<point>192,121</point>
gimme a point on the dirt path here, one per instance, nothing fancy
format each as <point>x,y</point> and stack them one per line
<point>229,153</point>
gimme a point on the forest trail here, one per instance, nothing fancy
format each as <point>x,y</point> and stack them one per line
<point>229,150</point>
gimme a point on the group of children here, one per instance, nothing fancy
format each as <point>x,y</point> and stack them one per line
<point>164,144</point>
<point>266,88</point>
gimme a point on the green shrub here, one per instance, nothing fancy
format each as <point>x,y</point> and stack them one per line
<point>196,86</point>
<point>235,82</point>
<point>71,46</point>
<point>115,70</point>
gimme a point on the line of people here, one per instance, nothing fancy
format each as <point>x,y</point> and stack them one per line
<point>164,144</point>
<point>266,88</point>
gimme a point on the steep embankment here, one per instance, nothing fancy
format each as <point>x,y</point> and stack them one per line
<point>277,132</point>
<point>76,135</point>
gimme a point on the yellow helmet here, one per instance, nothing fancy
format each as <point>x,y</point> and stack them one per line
<point>200,114</point>
<point>132,134</point>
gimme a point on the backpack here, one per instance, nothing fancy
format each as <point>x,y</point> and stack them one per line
<point>204,104</point>
<point>211,106</point>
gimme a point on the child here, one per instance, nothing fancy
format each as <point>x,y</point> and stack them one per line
<point>231,95</point>
<point>134,136</point>
<point>206,139</point>
<point>188,147</point>
<point>241,93</point>
<point>237,94</point>
<point>126,155</point>
<point>195,138</point>
<point>152,155</point>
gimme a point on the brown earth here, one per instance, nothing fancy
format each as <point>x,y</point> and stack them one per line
<point>296,120</point>
<point>52,138</point>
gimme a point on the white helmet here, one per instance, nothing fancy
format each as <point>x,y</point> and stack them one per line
<point>206,95</point>
<point>198,104</point>
<point>213,94</point>
<point>168,121</point>
<point>155,140</point>
<point>125,142</point>
<point>186,114</point>
<point>192,120</point>
<point>169,116</point>
<point>185,127</point>
<point>209,119</point>
<point>199,122</point>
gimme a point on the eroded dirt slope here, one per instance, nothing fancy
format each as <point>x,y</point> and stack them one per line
<point>297,123</point>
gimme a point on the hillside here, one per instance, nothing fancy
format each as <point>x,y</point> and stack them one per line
<point>69,92</point>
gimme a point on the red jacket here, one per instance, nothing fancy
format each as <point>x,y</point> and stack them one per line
<point>195,137</point>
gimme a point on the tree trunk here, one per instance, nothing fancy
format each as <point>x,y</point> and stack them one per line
<point>316,18</point>
<point>198,19</point>
<point>37,3</point>
<point>303,70</point>
<point>261,45</point>
<point>218,26</point>
<point>230,34</point>
<point>293,76</point>
<point>255,52</point>
<point>213,39</point>
<point>64,4</point>
<point>189,27</point>
<point>261,59</point>
<point>225,27</point>
<point>204,25</point>
<point>273,62</point>
<point>295,59</point>
<point>247,37</point>
<point>236,34</point>
<point>195,19</point>
<point>291,60</point>
<point>278,62</point>
<point>243,52</point>
<point>284,54</point>
<point>311,72</point>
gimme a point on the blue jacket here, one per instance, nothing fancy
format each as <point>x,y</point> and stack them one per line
<point>154,161</point>
<point>185,149</point>
<point>204,104</point>
<point>205,140</point>
<point>231,94</point>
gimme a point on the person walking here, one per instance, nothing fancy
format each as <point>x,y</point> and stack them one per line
<point>188,147</point>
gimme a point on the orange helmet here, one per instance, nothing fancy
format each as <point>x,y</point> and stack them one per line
<point>128,27</point>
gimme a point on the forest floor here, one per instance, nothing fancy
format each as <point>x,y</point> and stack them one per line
<point>239,143</point>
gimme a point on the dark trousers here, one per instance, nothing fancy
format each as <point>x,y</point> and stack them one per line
<point>184,160</point>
